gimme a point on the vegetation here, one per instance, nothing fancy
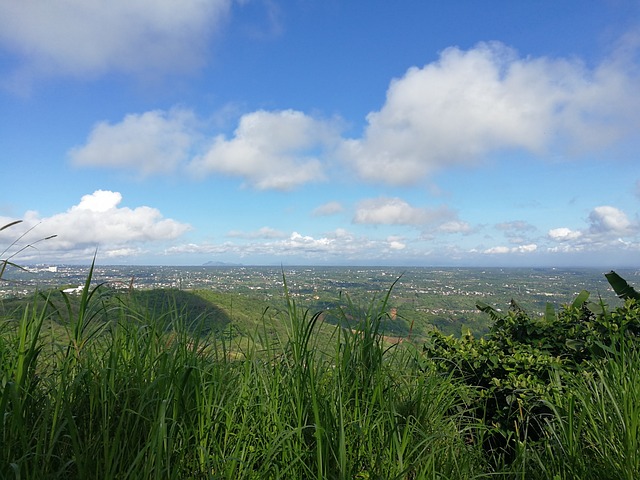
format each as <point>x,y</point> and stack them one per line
<point>514,376</point>
<point>131,398</point>
<point>166,385</point>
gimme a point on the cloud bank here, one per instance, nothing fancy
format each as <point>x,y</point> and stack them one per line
<point>452,112</point>
<point>98,221</point>
<point>335,247</point>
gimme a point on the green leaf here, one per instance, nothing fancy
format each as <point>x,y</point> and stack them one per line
<point>621,287</point>
<point>488,309</point>
<point>582,297</point>
<point>550,313</point>
<point>574,344</point>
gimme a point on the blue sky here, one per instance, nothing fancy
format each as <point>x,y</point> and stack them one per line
<point>321,132</point>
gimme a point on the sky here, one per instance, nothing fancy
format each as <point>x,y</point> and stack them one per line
<point>321,132</point>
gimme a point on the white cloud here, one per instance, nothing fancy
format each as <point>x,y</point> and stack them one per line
<point>330,208</point>
<point>529,248</point>
<point>99,201</point>
<point>469,103</point>
<point>497,250</point>
<point>564,234</point>
<point>606,219</point>
<point>502,250</point>
<point>80,37</point>
<point>307,243</point>
<point>395,211</point>
<point>271,150</point>
<point>396,243</point>
<point>97,221</point>
<point>152,142</point>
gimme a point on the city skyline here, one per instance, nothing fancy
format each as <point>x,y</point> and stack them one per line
<point>307,132</point>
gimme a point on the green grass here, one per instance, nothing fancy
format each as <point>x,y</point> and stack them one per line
<point>595,429</point>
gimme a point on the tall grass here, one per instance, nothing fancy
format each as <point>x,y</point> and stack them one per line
<point>595,429</point>
<point>146,397</point>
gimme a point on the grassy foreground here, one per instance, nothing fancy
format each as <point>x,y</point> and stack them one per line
<point>110,389</point>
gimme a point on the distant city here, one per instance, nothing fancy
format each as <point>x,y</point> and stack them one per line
<point>496,285</point>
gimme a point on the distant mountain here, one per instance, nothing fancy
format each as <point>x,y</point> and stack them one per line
<point>221,264</point>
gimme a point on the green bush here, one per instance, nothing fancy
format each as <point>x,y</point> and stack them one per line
<point>509,376</point>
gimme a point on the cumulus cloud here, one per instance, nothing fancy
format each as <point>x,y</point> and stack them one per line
<point>395,211</point>
<point>564,234</point>
<point>607,219</point>
<point>468,103</point>
<point>270,150</point>
<point>81,37</point>
<point>152,142</point>
<point>306,243</point>
<point>98,221</point>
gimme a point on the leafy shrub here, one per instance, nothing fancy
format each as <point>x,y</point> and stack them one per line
<point>509,375</point>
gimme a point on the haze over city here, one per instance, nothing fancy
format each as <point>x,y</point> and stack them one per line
<point>321,132</point>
